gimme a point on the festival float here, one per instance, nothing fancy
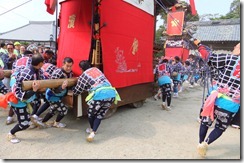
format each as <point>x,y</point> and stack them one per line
<point>117,36</point>
<point>177,33</point>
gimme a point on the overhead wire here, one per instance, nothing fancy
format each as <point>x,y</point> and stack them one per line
<point>15,7</point>
<point>15,13</point>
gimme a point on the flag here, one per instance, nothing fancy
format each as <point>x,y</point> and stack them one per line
<point>51,6</point>
<point>193,8</point>
<point>175,22</point>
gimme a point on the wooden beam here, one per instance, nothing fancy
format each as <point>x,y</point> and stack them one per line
<point>49,83</point>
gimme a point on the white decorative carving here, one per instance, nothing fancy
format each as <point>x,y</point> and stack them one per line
<point>121,61</point>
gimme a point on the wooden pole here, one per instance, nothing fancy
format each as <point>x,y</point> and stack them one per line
<point>49,83</point>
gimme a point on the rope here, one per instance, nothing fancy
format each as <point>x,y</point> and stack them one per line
<point>207,75</point>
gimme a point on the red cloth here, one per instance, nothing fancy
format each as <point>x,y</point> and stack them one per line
<point>237,71</point>
<point>180,52</point>
<point>208,107</point>
<point>127,27</point>
<point>193,8</point>
<point>203,51</point>
<point>9,97</point>
<point>75,41</point>
<point>173,8</point>
<point>51,6</point>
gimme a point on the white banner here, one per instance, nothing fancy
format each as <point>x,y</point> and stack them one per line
<point>145,5</point>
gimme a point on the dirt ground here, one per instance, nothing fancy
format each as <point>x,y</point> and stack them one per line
<point>143,133</point>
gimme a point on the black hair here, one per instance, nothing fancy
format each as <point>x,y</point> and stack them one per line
<point>27,53</point>
<point>177,58</point>
<point>2,44</point>
<point>11,44</point>
<point>36,59</point>
<point>187,63</point>
<point>165,60</point>
<point>49,52</point>
<point>192,56</point>
<point>68,59</point>
<point>84,65</point>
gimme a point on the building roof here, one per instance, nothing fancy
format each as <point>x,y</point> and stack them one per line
<point>217,30</point>
<point>33,31</point>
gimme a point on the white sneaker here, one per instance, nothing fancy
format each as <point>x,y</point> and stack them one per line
<point>202,149</point>
<point>155,97</point>
<point>175,95</point>
<point>36,117</point>
<point>190,86</point>
<point>12,138</point>
<point>164,106</point>
<point>9,120</point>
<point>235,126</point>
<point>168,108</point>
<point>59,125</point>
<point>88,130</point>
<point>90,138</point>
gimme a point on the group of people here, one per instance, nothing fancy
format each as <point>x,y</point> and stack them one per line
<point>171,73</point>
<point>10,53</point>
<point>221,105</point>
<point>28,106</point>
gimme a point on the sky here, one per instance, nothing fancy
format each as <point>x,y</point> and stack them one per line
<point>221,7</point>
<point>35,10</point>
<point>203,7</point>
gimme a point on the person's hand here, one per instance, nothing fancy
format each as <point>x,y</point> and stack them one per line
<point>236,50</point>
<point>196,42</point>
<point>12,55</point>
<point>65,84</point>
<point>35,85</point>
